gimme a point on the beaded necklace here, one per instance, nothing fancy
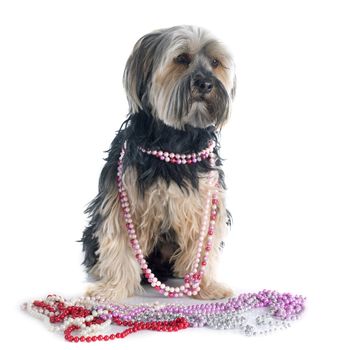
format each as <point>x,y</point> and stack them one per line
<point>193,278</point>
<point>177,158</point>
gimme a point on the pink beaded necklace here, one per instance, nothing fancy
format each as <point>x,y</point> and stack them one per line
<point>193,278</point>
<point>176,158</point>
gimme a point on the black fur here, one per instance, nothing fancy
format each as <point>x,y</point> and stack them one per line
<point>148,132</point>
<point>143,130</point>
<point>158,260</point>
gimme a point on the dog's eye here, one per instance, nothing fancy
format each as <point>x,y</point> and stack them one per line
<point>215,63</point>
<point>184,59</point>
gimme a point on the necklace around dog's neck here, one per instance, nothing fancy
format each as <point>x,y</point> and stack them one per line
<point>192,279</point>
<point>177,158</point>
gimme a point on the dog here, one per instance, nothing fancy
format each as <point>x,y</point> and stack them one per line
<point>180,83</point>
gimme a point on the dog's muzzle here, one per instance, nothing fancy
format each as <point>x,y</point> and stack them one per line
<point>202,84</point>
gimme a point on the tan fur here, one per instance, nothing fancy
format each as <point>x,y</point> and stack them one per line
<point>117,269</point>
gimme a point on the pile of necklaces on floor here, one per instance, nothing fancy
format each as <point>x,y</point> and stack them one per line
<point>88,319</point>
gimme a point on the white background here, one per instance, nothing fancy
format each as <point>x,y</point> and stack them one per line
<point>287,148</point>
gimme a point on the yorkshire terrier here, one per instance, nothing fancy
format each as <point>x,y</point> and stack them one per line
<point>180,83</point>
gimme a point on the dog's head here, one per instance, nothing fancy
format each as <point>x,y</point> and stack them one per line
<point>181,75</point>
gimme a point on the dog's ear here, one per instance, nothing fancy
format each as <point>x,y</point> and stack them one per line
<point>138,71</point>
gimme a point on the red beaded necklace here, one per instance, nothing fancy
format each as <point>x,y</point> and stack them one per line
<point>159,326</point>
<point>63,312</point>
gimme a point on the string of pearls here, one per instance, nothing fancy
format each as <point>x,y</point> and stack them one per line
<point>193,278</point>
<point>177,158</point>
<point>47,315</point>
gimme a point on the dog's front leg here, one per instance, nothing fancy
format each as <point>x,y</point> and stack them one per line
<point>187,229</point>
<point>117,269</point>
<point>210,289</point>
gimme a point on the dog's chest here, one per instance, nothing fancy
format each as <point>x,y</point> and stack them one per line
<point>166,206</point>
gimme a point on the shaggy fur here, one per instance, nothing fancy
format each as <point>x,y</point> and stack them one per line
<point>179,83</point>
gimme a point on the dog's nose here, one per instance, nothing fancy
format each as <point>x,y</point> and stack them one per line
<point>203,85</point>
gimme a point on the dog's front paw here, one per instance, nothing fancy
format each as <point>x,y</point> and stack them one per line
<point>106,291</point>
<point>213,290</point>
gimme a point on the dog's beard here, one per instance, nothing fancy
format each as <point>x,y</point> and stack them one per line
<point>208,109</point>
<point>184,105</point>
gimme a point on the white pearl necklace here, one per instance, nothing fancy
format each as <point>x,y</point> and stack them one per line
<point>45,315</point>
